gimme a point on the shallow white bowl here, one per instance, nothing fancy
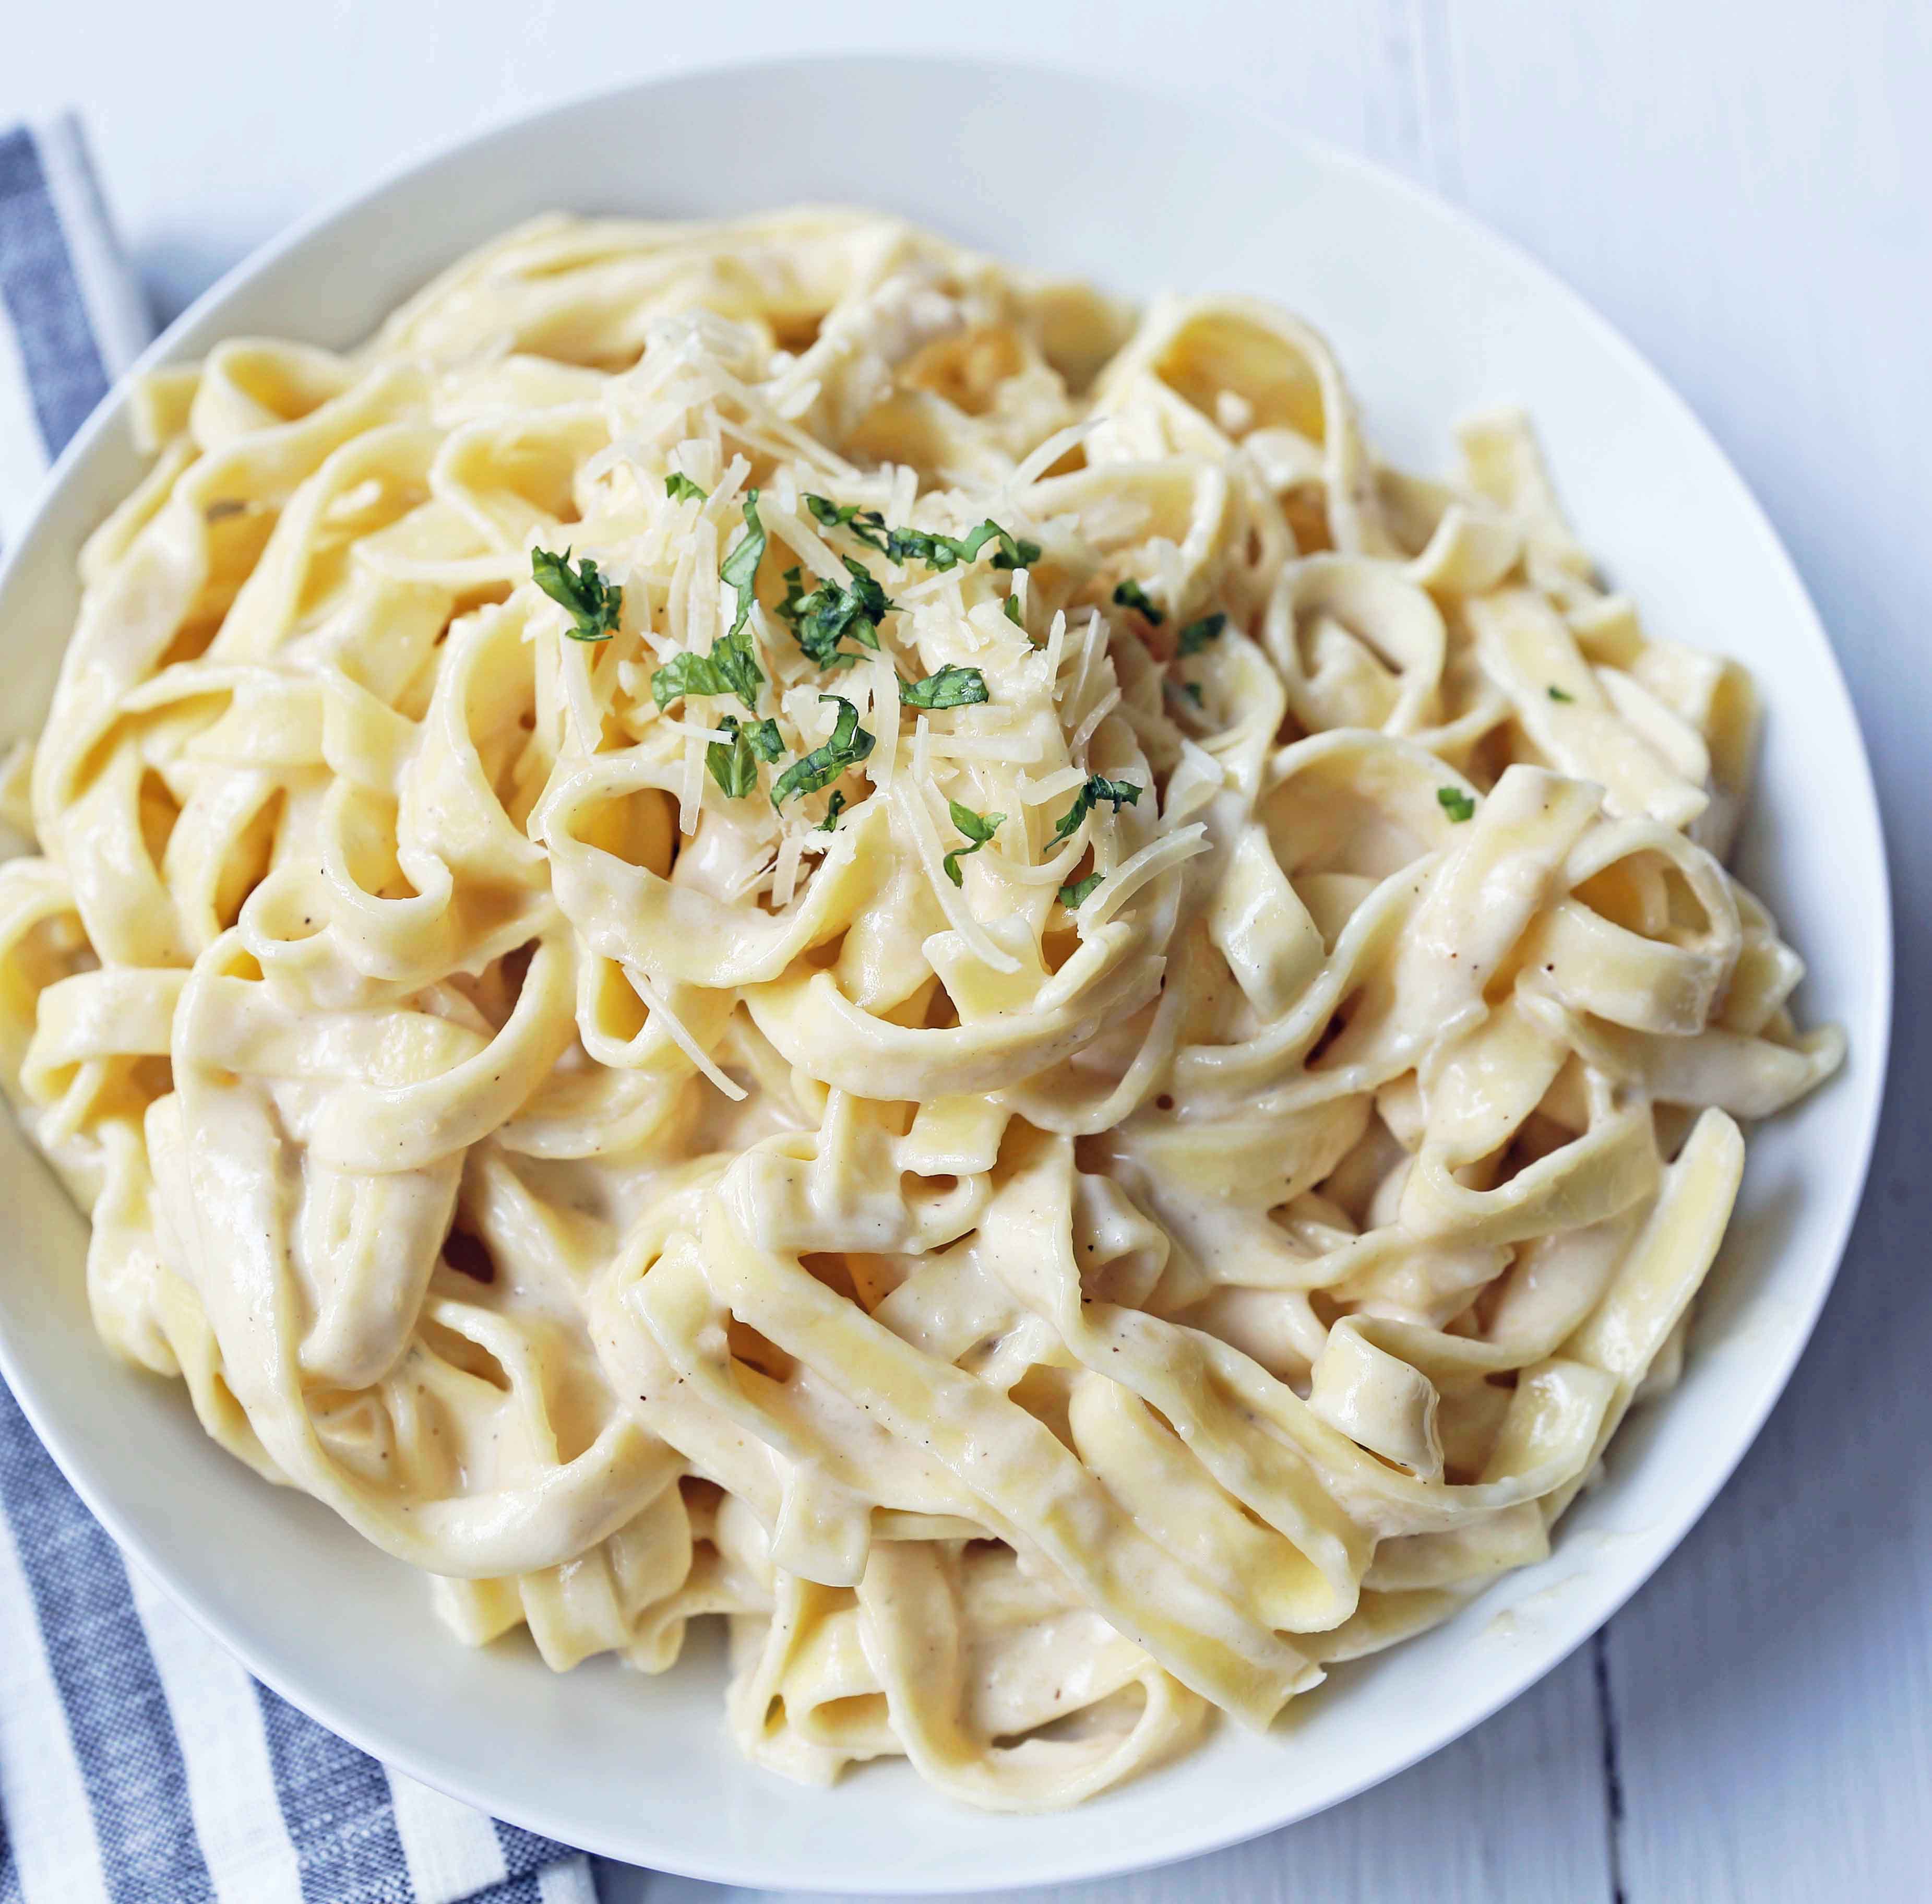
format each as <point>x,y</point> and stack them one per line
<point>1432,316</point>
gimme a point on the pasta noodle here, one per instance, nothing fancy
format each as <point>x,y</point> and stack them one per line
<point>763,920</point>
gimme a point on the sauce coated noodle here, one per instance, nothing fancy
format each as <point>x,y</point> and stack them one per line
<point>1157,1170</point>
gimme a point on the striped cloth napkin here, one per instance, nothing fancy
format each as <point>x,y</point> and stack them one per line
<point>139,1763</point>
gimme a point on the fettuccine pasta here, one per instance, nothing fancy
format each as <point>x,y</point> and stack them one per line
<point>763,920</point>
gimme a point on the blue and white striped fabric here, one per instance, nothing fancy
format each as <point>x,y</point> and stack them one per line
<point>139,1763</point>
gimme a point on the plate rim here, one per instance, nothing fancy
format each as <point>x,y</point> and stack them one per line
<point>1871,1066</point>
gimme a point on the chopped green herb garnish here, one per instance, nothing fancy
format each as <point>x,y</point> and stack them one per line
<point>1014,551</point>
<point>739,569</point>
<point>951,687</point>
<point>1557,694</point>
<point>732,762</point>
<point>823,618</point>
<point>935,551</point>
<point>762,738</point>
<point>731,667</point>
<point>1013,614</point>
<point>978,828</point>
<point>1131,595</point>
<point>834,807</point>
<point>1197,635</point>
<point>849,745</point>
<point>943,552</point>
<point>1096,789</point>
<point>1458,805</point>
<point>680,488</point>
<point>1193,691</point>
<point>1072,897</point>
<point>736,659</point>
<point>593,601</point>
<point>868,525</point>
<point>685,673</point>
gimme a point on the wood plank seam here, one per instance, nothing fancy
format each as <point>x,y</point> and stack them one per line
<point>1423,137</point>
<point>1613,1782</point>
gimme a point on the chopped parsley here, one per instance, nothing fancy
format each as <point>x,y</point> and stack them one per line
<point>951,687</point>
<point>1193,691</point>
<point>733,763</point>
<point>1131,595</point>
<point>823,617</point>
<point>1197,635</point>
<point>834,807</point>
<point>978,828</point>
<point>731,667</point>
<point>1458,805</point>
<point>1557,694</point>
<point>1096,789</point>
<point>680,488</point>
<point>1013,614</point>
<point>1074,896</point>
<point>935,551</point>
<point>739,569</point>
<point>593,601</point>
<point>810,773</point>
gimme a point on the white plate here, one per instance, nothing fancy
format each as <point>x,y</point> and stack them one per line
<point>1432,316</point>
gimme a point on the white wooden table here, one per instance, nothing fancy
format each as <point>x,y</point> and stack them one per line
<point>1747,191</point>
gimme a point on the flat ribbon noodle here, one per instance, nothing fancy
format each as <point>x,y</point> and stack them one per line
<point>760,920</point>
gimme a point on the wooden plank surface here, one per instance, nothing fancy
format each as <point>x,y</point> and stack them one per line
<point>1747,192</point>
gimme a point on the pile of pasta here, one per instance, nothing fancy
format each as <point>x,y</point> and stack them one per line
<point>761,919</point>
